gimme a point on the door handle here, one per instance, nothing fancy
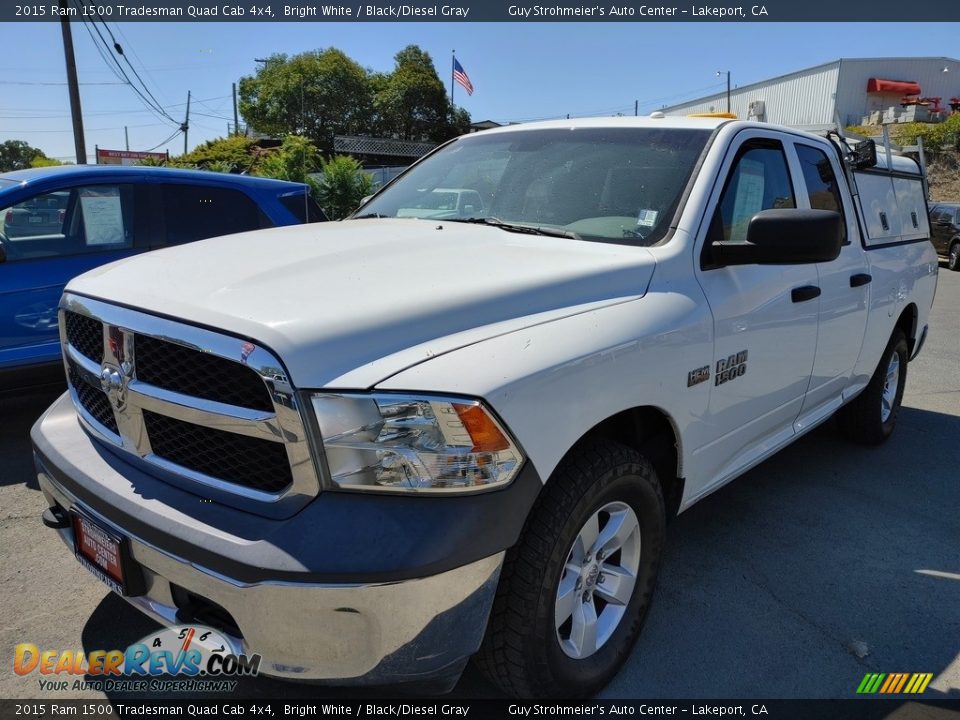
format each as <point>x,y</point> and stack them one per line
<point>860,279</point>
<point>802,294</point>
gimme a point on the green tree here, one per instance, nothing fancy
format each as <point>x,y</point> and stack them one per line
<point>17,155</point>
<point>317,94</point>
<point>411,102</point>
<point>294,160</point>
<point>233,154</point>
<point>41,160</point>
<point>341,186</point>
<point>459,122</point>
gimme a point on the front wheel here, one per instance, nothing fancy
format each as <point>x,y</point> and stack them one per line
<point>575,590</point>
<point>869,419</point>
<point>953,258</point>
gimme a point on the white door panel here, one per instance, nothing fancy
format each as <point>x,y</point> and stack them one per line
<point>764,335</point>
<point>844,284</point>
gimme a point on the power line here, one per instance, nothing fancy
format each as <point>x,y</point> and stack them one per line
<point>136,56</point>
<point>150,102</point>
<point>164,142</point>
<point>100,52</point>
<point>102,112</point>
<point>31,130</point>
<point>119,50</point>
<point>27,82</point>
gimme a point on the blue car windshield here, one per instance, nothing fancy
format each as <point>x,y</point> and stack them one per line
<point>607,184</point>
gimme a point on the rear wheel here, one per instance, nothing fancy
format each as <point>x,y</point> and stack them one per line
<point>869,419</point>
<point>953,258</point>
<point>575,591</point>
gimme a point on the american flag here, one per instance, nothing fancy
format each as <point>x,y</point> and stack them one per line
<point>460,75</point>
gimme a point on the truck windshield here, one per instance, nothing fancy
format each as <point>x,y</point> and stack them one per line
<point>606,184</point>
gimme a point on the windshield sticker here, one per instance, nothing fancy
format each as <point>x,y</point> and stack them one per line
<point>647,218</point>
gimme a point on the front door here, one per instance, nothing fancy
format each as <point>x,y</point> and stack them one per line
<point>765,319</point>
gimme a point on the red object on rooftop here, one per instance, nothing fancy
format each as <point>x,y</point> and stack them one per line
<point>902,87</point>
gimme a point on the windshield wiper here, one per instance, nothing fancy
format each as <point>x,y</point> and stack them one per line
<point>516,227</point>
<point>368,216</point>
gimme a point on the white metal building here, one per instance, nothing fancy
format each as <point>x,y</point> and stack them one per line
<point>813,95</point>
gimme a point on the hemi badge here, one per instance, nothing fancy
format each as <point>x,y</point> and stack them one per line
<point>699,375</point>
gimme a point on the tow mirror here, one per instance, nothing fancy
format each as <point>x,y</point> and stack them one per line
<point>864,154</point>
<point>785,237</point>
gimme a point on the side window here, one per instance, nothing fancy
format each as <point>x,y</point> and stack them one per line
<point>759,180</point>
<point>74,221</point>
<point>946,216</point>
<point>820,181</point>
<point>304,208</point>
<point>195,212</point>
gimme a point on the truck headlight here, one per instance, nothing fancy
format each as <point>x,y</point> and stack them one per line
<point>414,443</point>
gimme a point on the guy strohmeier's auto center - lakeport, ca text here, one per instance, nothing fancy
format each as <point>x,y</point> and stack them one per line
<point>362,11</point>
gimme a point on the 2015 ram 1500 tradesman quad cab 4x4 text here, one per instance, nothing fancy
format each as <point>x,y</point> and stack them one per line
<point>371,449</point>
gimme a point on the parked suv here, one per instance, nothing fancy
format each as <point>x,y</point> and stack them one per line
<point>56,223</point>
<point>945,232</point>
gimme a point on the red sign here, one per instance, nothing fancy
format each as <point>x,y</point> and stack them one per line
<point>126,157</point>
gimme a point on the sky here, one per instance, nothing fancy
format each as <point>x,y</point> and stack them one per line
<point>520,71</point>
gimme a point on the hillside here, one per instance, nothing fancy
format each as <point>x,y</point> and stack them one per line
<point>943,174</point>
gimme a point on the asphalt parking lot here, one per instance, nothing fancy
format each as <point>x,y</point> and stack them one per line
<point>827,562</point>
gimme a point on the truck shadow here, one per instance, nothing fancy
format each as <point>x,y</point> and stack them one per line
<point>18,413</point>
<point>774,586</point>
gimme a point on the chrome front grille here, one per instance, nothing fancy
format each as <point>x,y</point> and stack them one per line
<point>251,462</point>
<point>184,370</point>
<point>91,398</point>
<point>206,411</point>
<point>85,334</point>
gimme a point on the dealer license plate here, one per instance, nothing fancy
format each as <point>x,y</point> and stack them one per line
<point>100,550</point>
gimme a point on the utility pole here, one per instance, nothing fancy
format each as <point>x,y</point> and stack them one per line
<point>636,108</point>
<point>186,125</point>
<point>126,137</point>
<point>73,85</point>
<point>236,117</point>
<point>728,86</point>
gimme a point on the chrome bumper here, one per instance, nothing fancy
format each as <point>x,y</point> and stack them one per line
<point>378,633</point>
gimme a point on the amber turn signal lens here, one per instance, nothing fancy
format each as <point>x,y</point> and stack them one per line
<point>483,431</point>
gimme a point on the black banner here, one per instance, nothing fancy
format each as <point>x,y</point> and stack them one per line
<point>863,709</point>
<point>485,11</point>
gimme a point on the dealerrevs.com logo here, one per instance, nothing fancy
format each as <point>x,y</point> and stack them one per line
<point>199,658</point>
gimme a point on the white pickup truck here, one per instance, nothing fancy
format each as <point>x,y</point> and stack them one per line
<point>370,450</point>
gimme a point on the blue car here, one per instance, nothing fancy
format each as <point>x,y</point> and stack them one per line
<point>56,223</point>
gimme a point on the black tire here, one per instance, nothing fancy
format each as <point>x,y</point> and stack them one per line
<point>953,257</point>
<point>521,652</point>
<point>861,420</point>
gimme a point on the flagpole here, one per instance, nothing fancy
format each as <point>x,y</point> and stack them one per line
<point>453,59</point>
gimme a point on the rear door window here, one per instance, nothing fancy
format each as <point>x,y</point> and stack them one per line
<point>304,208</point>
<point>195,212</point>
<point>821,181</point>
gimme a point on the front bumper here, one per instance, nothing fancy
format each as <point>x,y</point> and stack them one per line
<point>373,632</point>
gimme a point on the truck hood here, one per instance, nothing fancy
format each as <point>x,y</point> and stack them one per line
<point>348,304</point>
